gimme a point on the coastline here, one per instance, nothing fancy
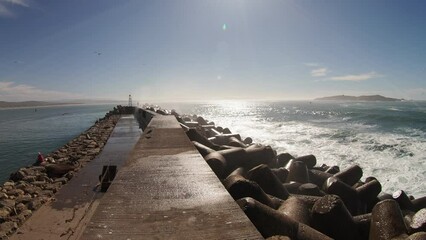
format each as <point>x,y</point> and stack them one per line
<point>32,186</point>
<point>270,187</point>
<point>57,105</point>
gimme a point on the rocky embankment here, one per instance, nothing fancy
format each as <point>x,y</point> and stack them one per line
<point>30,187</point>
<point>289,197</point>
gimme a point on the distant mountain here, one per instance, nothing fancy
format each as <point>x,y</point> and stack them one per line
<point>4,104</point>
<point>360,98</point>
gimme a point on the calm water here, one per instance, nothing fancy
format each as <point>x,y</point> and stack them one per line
<point>24,132</point>
<point>387,139</point>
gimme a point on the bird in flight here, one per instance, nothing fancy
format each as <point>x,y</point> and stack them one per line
<point>97,53</point>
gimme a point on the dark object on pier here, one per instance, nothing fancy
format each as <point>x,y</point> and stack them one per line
<point>107,176</point>
<point>271,222</point>
<point>387,221</point>
<point>331,217</point>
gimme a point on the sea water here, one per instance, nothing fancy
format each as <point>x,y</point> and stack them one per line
<point>26,131</point>
<point>387,139</point>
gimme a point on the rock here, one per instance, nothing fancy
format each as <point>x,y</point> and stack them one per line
<point>9,183</point>
<point>69,175</point>
<point>7,203</point>
<point>39,183</point>
<point>27,212</point>
<point>62,180</point>
<point>39,168</point>
<point>8,227</point>
<point>58,170</point>
<point>4,213</point>
<point>53,187</point>
<point>15,192</point>
<point>48,193</point>
<point>3,195</point>
<point>18,175</point>
<point>32,190</point>
<point>20,207</point>
<point>34,204</point>
<point>30,178</point>
<point>23,199</point>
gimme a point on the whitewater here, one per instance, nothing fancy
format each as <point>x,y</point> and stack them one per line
<point>387,139</point>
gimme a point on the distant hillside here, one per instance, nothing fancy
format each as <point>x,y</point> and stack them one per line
<point>360,98</point>
<point>4,104</point>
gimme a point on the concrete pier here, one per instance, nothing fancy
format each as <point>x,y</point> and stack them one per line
<point>166,190</point>
<point>66,217</point>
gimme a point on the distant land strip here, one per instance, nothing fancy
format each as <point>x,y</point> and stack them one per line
<point>4,104</point>
<point>360,98</point>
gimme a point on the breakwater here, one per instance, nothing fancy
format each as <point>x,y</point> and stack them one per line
<point>30,187</point>
<point>165,191</point>
<point>287,196</point>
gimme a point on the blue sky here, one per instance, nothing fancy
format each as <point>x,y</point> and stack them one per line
<point>211,50</point>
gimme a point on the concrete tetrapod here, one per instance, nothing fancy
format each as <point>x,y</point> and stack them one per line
<point>271,222</point>
<point>387,221</point>
<point>267,180</point>
<point>330,216</point>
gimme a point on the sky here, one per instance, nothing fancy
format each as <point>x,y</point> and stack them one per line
<point>192,50</point>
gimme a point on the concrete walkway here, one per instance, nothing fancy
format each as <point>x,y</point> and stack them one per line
<point>166,190</point>
<point>76,201</point>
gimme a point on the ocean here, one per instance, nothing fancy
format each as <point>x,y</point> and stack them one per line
<point>26,131</point>
<point>387,139</point>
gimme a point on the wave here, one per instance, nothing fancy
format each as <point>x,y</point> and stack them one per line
<point>388,146</point>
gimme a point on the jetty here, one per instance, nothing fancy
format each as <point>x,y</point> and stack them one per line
<point>162,175</point>
<point>163,190</point>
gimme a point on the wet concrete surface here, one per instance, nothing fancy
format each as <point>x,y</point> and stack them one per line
<point>166,190</point>
<point>75,202</point>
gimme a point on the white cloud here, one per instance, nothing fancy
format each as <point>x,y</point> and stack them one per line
<point>6,6</point>
<point>319,72</point>
<point>10,91</point>
<point>357,77</point>
<point>21,3</point>
<point>4,12</point>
